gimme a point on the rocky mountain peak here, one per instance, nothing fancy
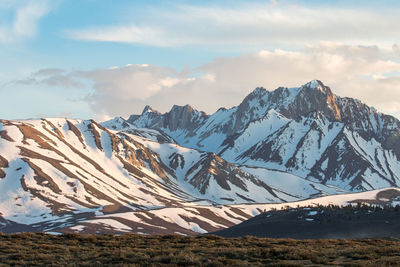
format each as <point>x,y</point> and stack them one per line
<point>293,103</point>
<point>147,109</point>
<point>311,97</point>
<point>259,91</point>
<point>186,108</point>
<point>316,85</point>
<point>184,117</point>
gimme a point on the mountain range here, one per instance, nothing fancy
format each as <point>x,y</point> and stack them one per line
<point>188,172</point>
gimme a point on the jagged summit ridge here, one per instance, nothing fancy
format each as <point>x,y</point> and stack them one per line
<point>314,134</point>
<point>179,117</point>
<point>291,102</point>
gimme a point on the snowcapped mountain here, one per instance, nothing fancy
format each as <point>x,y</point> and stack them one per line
<point>188,172</point>
<point>306,131</point>
<point>56,172</point>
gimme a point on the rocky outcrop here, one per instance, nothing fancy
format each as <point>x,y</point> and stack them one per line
<point>3,164</point>
<point>178,118</point>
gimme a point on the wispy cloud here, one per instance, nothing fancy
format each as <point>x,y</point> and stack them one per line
<point>121,34</point>
<point>368,73</point>
<point>50,77</point>
<point>251,25</point>
<point>24,23</point>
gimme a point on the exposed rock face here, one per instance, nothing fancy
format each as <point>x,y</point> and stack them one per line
<point>314,96</point>
<point>3,164</point>
<point>178,118</point>
<point>369,123</point>
<point>214,167</point>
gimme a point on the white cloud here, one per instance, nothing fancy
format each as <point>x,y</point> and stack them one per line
<point>349,70</point>
<point>368,73</point>
<point>122,34</point>
<point>130,82</point>
<point>251,25</point>
<point>27,15</point>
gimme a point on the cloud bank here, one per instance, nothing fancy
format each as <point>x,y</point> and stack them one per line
<point>368,73</point>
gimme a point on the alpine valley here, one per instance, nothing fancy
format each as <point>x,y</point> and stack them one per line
<point>188,172</point>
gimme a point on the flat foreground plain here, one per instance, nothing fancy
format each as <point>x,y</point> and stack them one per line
<point>32,249</point>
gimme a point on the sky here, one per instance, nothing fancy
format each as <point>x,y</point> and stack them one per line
<point>99,59</point>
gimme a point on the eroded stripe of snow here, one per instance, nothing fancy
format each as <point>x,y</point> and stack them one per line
<point>112,223</point>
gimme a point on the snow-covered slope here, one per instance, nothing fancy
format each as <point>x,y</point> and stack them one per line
<point>53,170</point>
<point>195,219</point>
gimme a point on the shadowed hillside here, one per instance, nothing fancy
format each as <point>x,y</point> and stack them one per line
<point>359,221</point>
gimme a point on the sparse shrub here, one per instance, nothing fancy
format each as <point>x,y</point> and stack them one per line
<point>91,250</point>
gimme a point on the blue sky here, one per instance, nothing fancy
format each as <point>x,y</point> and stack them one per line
<point>99,59</point>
